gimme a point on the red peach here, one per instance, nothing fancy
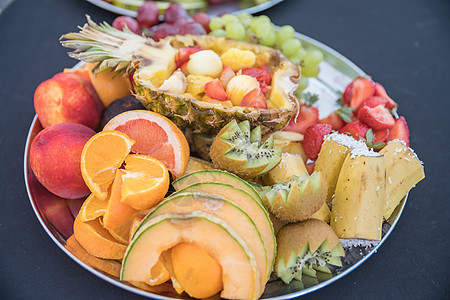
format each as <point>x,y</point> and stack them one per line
<point>68,97</point>
<point>55,156</point>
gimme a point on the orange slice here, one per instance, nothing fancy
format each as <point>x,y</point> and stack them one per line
<point>102,155</point>
<point>94,209</point>
<point>155,136</point>
<point>145,181</point>
<point>91,235</point>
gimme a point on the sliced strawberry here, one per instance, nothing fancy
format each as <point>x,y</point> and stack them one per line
<point>355,129</point>
<point>334,120</point>
<point>310,167</point>
<point>261,74</point>
<point>215,90</point>
<point>377,118</point>
<point>380,91</point>
<point>400,131</point>
<point>226,74</point>
<point>183,68</point>
<point>372,102</point>
<point>263,87</point>
<point>308,116</point>
<point>184,53</point>
<point>380,135</point>
<point>313,139</point>
<point>357,91</point>
<point>254,98</point>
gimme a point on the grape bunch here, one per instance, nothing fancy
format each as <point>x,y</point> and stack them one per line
<point>260,30</point>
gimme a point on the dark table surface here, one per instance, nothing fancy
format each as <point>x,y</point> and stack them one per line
<point>403,44</point>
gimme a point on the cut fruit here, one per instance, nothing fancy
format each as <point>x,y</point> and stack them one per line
<point>153,62</point>
<point>95,239</point>
<point>306,247</point>
<point>227,211</point>
<point>145,181</point>
<point>109,266</point>
<point>102,155</point>
<point>324,214</point>
<point>290,165</point>
<point>197,83</point>
<point>215,90</point>
<point>246,202</point>
<point>403,171</point>
<point>155,136</point>
<point>297,199</point>
<point>254,98</point>
<point>94,208</point>
<point>357,91</point>
<point>240,151</point>
<point>216,176</point>
<point>196,164</point>
<point>239,86</point>
<point>213,235</point>
<point>196,271</point>
<point>117,211</point>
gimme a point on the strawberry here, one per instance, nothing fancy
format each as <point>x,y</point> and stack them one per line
<point>308,116</point>
<point>215,90</point>
<point>310,167</point>
<point>355,129</point>
<point>313,139</point>
<point>226,74</point>
<point>183,68</point>
<point>184,53</point>
<point>380,136</point>
<point>381,92</point>
<point>263,87</point>
<point>374,101</point>
<point>254,98</point>
<point>334,120</point>
<point>261,74</point>
<point>400,131</point>
<point>357,91</point>
<point>377,118</point>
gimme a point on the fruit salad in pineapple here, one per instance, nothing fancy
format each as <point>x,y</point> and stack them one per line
<point>202,82</point>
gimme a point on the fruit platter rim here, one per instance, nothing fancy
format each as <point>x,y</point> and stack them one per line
<point>330,55</point>
<point>126,12</point>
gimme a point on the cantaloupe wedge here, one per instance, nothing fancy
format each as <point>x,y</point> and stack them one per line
<point>241,278</point>
<point>228,212</point>
<point>252,207</point>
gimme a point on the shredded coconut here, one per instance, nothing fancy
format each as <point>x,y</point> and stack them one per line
<point>350,243</point>
<point>345,140</point>
<point>363,152</point>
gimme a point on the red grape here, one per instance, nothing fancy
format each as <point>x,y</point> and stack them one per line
<point>165,29</point>
<point>192,28</point>
<point>148,14</point>
<point>174,13</point>
<point>122,21</point>
<point>203,19</point>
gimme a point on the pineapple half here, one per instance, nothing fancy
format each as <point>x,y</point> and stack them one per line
<point>153,62</point>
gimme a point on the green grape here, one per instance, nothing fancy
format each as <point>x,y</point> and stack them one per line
<point>270,39</point>
<point>217,23</point>
<point>229,18</point>
<point>313,58</point>
<point>302,84</point>
<point>218,33</point>
<point>264,18</point>
<point>290,47</point>
<point>245,19</point>
<point>285,33</point>
<point>310,71</point>
<point>296,58</point>
<point>264,29</point>
<point>254,24</point>
<point>235,31</point>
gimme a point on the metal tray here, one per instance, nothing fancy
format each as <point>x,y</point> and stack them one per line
<point>230,6</point>
<point>336,72</point>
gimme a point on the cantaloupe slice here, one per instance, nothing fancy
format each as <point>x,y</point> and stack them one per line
<point>216,176</point>
<point>252,207</point>
<point>208,232</point>
<point>197,272</point>
<point>224,209</point>
<point>117,212</point>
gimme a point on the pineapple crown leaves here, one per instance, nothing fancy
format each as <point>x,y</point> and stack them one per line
<point>369,141</point>
<point>102,44</point>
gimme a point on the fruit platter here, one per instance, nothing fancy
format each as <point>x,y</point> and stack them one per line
<point>212,7</point>
<point>241,160</point>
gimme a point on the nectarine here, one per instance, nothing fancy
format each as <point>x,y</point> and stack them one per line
<point>55,156</point>
<point>68,97</point>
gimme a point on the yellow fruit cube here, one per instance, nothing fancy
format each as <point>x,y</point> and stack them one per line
<point>196,84</point>
<point>238,59</point>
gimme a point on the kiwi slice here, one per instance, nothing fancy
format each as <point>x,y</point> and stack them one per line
<point>239,149</point>
<point>297,199</point>
<point>305,249</point>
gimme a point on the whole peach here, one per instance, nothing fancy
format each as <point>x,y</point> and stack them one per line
<point>55,156</point>
<point>68,97</point>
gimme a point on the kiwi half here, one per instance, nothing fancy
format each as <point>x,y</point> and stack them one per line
<point>305,248</point>
<point>296,200</point>
<point>239,150</point>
